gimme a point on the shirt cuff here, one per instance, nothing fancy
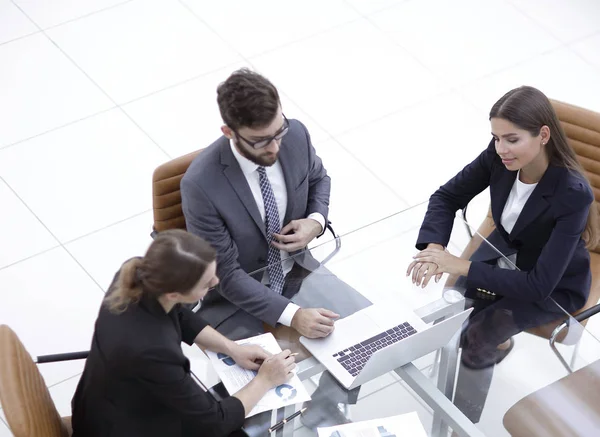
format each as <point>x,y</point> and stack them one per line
<point>234,412</point>
<point>318,217</point>
<point>288,314</point>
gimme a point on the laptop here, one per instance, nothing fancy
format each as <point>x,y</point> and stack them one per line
<point>377,340</point>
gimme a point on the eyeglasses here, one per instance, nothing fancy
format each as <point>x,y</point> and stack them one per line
<point>265,142</point>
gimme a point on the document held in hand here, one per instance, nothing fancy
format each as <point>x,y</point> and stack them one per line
<point>234,377</point>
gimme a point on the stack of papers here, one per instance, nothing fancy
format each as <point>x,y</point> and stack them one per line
<point>405,425</point>
<point>234,377</point>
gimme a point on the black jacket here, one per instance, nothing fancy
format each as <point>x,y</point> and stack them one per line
<point>137,380</point>
<point>551,254</point>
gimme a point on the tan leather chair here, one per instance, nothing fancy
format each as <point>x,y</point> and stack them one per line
<point>166,194</point>
<point>567,407</point>
<point>582,128</point>
<point>24,397</point>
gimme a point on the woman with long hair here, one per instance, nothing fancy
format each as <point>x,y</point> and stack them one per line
<point>543,223</point>
<point>137,380</point>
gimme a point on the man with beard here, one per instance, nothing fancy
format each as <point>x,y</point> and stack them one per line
<point>258,194</point>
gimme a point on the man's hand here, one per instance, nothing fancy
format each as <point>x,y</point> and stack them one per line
<point>297,234</point>
<point>314,322</point>
<point>249,357</point>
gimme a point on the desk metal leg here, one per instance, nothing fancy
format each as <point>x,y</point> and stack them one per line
<point>288,428</point>
<point>436,312</point>
<point>437,401</point>
<point>279,416</point>
<point>445,383</point>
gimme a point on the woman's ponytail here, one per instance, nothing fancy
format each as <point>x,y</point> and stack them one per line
<point>174,263</point>
<point>127,288</point>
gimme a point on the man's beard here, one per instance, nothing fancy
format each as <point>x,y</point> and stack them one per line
<point>263,160</point>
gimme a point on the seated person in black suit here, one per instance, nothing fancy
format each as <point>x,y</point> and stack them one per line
<point>137,380</point>
<point>544,222</point>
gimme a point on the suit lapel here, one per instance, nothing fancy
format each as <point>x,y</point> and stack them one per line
<point>287,166</point>
<point>236,178</point>
<point>537,202</point>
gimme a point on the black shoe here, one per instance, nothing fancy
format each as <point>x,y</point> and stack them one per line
<point>478,363</point>
<point>320,415</point>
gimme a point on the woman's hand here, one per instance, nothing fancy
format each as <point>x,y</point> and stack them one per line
<point>446,262</point>
<point>422,272</point>
<point>274,371</point>
<point>249,357</point>
<point>277,369</point>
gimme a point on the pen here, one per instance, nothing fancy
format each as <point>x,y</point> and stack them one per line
<point>290,355</point>
<point>286,420</point>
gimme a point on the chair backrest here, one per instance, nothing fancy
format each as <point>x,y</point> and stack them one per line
<point>582,127</point>
<point>166,194</point>
<point>24,397</point>
<point>569,406</point>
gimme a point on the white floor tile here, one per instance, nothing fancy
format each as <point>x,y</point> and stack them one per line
<point>145,46</point>
<point>41,90</point>
<point>521,373</point>
<point>393,400</point>
<point>63,393</point>
<point>262,25</point>
<point>593,326</point>
<point>46,14</point>
<point>418,149</point>
<point>578,83</point>
<point>348,76</point>
<point>51,304</point>
<point>567,21</point>
<point>183,118</point>
<point>102,253</point>
<point>367,7</point>
<point>462,40</point>
<point>348,178</point>
<point>200,365</point>
<point>387,262</point>
<point>588,350</point>
<point>102,174</point>
<point>4,431</point>
<point>291,110</point>
<point>13,23</point>
<point>192,120</point>
<point>377,384</point>
<point>22,234</point>
<point>478,209</point>
<point>589,49</point>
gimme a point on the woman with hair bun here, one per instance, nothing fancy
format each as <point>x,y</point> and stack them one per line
<point>137,380</point>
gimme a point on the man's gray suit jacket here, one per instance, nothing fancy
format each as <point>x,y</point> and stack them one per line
<point>219,206</point>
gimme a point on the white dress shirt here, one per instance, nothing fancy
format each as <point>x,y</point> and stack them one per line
<point>519,194</point>
<point>277,181</point>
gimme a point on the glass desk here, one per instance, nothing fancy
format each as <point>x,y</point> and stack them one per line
<point>369,265</point>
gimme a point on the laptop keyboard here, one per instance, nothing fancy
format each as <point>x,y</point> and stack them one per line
<point>354,358</point>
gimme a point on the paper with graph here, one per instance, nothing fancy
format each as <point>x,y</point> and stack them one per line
<point>234,377</point>
<point>405,425</point>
